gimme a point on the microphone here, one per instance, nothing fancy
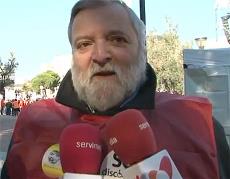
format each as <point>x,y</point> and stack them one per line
<point>130,136</point>
<point>81,149</point>
<point>51,165</point>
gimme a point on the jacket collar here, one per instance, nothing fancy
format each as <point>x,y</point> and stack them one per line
<point>143,99</point>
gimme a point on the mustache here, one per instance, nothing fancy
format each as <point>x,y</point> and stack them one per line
<point>108,68</point>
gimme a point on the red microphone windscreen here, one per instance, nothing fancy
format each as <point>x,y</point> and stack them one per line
<point>130,136</point>
<point>81,149</point>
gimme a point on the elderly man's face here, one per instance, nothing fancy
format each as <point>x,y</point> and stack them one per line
<point>105,56</point>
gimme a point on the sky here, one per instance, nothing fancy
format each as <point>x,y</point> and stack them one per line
<point>36,31</point>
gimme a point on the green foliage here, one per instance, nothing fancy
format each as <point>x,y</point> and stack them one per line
<point>7,71</point>
<point>27,87</point>
<point>48,80</point>
<point>165,56</point>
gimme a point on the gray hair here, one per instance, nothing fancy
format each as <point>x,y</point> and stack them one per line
<point>138,25</point>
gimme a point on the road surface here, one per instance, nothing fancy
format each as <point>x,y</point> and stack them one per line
<point>6,129</point>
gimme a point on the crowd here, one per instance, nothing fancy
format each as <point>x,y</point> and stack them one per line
<point>13,107</point>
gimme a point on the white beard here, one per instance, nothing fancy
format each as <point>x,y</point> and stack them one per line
<point>103,94</point>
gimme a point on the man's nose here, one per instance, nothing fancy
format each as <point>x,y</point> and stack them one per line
<point>101,53</point>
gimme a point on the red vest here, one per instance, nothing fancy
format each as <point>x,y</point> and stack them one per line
<point>182,125</point>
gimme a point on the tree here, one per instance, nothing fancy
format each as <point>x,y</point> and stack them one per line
<point>7,72</point>
<point>165,54</point>
<point>46,80</point>
<point>27,87</point>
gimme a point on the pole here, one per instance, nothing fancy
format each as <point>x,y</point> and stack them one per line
<point>142,11</point>
<point>216,16</point>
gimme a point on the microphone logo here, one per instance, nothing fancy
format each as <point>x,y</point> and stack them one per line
<point>112,141</point>
<point>144,125</point>
<point>88,145</point>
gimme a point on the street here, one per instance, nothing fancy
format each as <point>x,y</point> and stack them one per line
<point>6,129</point>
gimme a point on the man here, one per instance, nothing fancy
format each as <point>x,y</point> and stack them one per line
<point>2,103</point>
<point>110,74</point>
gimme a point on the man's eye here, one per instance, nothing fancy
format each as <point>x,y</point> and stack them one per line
<point>82,45</point>
<point>118,40</point>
